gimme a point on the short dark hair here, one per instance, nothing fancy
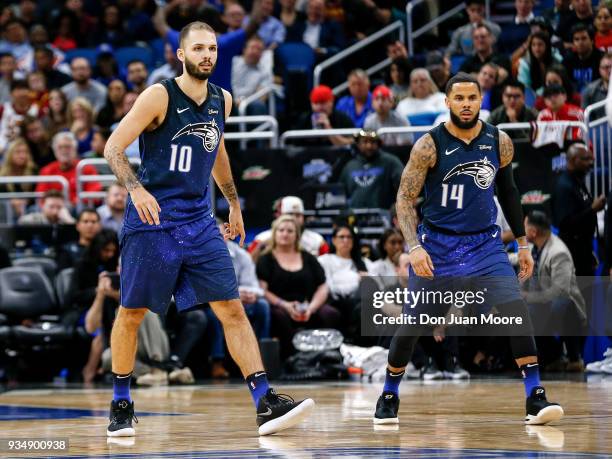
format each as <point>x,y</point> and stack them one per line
<point>87,210</point>
<point>539,219</point>
<point>54,194</point>
<point>44,49</point>
<point>6,54</point>
<point>19,84</point>
<point>582,27</point>
<point>461,77</point>
<point>515,84</point>
<point>195,25</point>
<point>475,2</point>
<point>482,25</point>
<point>135,61</point>
<point>554,89</point>
<point>104,132</point>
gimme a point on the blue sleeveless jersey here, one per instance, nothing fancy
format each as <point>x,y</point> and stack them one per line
<point>459,189</point>
<point>177,159</point>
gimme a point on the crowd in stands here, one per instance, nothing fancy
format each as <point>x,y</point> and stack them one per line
<point>64,88</point>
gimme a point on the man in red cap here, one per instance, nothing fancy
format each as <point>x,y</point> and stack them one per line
<point>323,116</point>
<point>385,116</point>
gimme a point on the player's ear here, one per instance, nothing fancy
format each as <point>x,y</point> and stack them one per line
<point>180,54</point>
<point>447,102</point>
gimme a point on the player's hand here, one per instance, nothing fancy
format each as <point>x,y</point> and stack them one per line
<point>236,225</point>
<point>525,264</point>
<point>147,207</point>
<point>421,262</point>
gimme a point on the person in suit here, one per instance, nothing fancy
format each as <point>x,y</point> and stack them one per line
<point>555,302</point>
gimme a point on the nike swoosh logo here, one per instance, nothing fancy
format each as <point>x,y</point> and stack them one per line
<point>181,110</point>
<point>529,365</point>
<point>266,413</point>
<point>494,234</point>
<point>256,375</point>
<point>452,151</point>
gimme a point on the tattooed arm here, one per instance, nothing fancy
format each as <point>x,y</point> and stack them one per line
<point>148,110</point>
<point>510,202</point>
<point>222,173</point>
<point>422,158</point>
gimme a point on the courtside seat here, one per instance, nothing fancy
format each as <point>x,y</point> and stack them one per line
<point>48,265</point>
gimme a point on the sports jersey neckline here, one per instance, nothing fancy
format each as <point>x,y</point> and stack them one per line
<point>189,99</point>
<point>475,139</point>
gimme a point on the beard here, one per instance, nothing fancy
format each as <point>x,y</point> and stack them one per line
<point>193,70</point>
<point>464,124</point>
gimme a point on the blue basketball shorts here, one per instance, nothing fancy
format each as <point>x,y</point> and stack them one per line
<point>475,262</point>
<point>190,262</point>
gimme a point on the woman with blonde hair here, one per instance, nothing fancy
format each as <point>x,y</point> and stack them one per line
<point>81,121</point>
<point>18,162</point>
<point>294,284</point>
<point>423,96</point>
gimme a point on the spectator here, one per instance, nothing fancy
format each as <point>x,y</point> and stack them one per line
<point>323,116</point>
<point>65,149</point>
<point>556,74</point>
<point>80,119</point>
<point>461,40</point>
<point>557,109</point>
<point>271,30</point>
<point>484,53</point>
<point>288,15</point>
<point>423,96</point>
<point>399,77</point>
<point>35,134</point>
<point>582,64</point>
<point>294,285</point>
<point>98,142</point>
<point>603,26</point>
<point>515,33</point>
<point>372,178</point>
<point>83,85</point>
<point>111,213</point>
<point>13,112</point>
<point>385,116</point>
<point>598,89</point>
<point>38,90</point>
<point>390,244</point>
<point>581,12</point>
<point>344,268</point>
<point>357,105</point>
<point>66,23</point>
<point>133,149</point>
<point>540,56</point>
<point>112,112</point>
<point>88,226</point>
<point>16,42</point>
<point>249,75</point>
<point>554,14</point>
<point>137,75</point>
<point>552,294</point>
<point>44,59</point>
<point>439,67</point>
<point>310,241</point>
<point>575,210</point>
<point>18,162</point>
<point>171,69</point>
<point>110,29</point>
<point>324,36</point>
<point>53,211</point>
<point>233,16</point>
<point>107,67</point>
<point>57,118</point>
<point>488,77</point>
<point>513,109</point>
<point>8,73</point>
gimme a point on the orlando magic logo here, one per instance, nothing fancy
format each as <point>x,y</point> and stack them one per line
<point>208,132</point>
<point>483,172</point>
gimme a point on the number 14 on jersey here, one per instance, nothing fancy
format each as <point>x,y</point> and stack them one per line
<point>456,194</point>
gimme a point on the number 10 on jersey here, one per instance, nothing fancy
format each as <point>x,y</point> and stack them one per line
<point>184,158</point>
<point>456,194</point>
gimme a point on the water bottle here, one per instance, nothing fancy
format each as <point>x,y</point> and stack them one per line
<point>320,339</point>
<point>61,378</point>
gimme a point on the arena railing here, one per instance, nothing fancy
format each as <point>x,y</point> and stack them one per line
<point>599,137</point>
<point>273,91</point>
<point>391,28</point>
<point>314,133</point>
<point>267,129</point>
<point>14,180</point>
<point>81,179</point>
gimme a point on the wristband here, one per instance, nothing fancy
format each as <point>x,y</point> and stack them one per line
<point>412,249</point>
<point>523,247</point>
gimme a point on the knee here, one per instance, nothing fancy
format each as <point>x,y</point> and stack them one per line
<point>130,317</point>
<point>229,312</point>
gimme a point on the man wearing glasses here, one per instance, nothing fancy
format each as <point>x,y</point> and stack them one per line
<point>513,109</point>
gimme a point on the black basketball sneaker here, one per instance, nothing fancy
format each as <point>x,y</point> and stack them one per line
<point>386,409</point>
<point>121,415</point>
<point>539,410</point>
<point>276,412</point>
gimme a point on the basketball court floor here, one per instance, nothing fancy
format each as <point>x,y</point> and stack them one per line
<point>482,418</point>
